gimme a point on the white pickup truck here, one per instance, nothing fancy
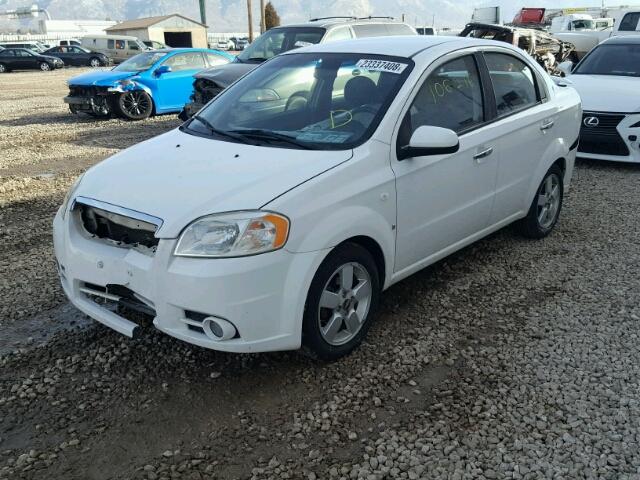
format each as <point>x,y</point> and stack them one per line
<point>626,24</point>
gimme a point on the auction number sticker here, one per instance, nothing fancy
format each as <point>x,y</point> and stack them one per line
<point>381,66</point>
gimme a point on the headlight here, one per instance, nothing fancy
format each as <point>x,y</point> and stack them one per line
<point>234,234</point>
<point>70,195</point>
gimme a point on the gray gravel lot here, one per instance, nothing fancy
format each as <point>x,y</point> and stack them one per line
<point>511,359</point>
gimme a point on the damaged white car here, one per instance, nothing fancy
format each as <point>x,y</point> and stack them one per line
<point>275,217</point>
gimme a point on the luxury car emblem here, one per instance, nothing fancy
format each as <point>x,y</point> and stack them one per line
<point>591,122</point>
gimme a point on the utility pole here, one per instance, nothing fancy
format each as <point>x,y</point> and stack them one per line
<point>263,26</point>
<point>203,13</point>
<point>250,18</point>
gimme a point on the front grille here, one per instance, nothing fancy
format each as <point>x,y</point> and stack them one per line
<point>122,230</point>
<point>604,138</point>
<point>86,91</point>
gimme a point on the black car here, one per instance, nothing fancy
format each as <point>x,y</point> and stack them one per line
<point>78,56</point>
<point>23,59</point>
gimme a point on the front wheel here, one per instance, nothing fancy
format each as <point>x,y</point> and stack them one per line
<point>45,67</point>
<point>341,303</point>
<point>135,105</point>
<point>545,207</point>
<point>95,62</point>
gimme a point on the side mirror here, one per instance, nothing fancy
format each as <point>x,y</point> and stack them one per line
<point>566,67</point>
<point>162,69</point>
<point>429,140</point>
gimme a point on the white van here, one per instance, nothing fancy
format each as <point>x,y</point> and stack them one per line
<point>117,47</point>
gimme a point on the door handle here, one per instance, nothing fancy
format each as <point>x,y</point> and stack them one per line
<point>483,154</point>
<point>547,125</point>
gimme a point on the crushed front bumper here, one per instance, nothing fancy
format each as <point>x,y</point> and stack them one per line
<point>263,296</point>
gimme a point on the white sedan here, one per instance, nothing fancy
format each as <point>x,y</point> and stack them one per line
<point>608,81</point>
<point>275,217</point>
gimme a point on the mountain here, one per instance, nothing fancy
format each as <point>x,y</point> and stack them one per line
<point>231,15</point>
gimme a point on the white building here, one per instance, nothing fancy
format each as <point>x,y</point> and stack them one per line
<point>73,28</point>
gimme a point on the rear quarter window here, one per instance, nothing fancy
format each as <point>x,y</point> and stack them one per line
<point>370,30</point>
<point>630,22</point>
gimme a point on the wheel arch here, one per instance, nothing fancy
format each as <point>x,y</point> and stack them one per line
<point>374,248</point>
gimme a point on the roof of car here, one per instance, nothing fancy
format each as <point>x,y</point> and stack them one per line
<point>624,40</point>
<point>397,46</point>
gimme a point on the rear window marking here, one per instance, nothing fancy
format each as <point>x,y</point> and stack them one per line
<point>374,65</point>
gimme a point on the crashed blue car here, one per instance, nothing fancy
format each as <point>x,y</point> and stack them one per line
<point>151,83</point>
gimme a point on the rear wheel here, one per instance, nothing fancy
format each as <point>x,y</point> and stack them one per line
<point>95,62</point>
<point>3,68</point>
<point>45,67</point>
<point>135,105</point>
<point>341,303</point>
<point>545,207</point>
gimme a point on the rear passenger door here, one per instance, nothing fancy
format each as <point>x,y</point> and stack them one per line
<point>525,121</point>
<point>444,200</point>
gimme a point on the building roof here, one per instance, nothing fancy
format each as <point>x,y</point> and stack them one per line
<point>140,23</point>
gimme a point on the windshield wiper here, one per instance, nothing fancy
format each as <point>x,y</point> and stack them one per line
<point>271,135</point>
<point>222,133</point>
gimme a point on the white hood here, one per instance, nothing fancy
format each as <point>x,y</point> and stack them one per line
<point>179,177</point>
<point>607,93</point>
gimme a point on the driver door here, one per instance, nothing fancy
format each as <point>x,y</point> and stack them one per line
<point>175,87</point>
<point>444,200</point>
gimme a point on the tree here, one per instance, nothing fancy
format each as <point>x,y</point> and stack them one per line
<point>271,18</point>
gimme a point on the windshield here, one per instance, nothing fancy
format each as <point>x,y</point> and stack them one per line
<point>279,40</point>
<point>140,62</point>
<point>329,101</point>
<point>622,60</point>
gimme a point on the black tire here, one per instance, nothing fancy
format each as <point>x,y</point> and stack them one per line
<point>531,226</point>
<point>314,342</point>
<point>135,105</point>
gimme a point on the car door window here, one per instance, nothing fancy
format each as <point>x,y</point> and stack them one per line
<point>213,59</point>
<point>110,44</point>
<point>120,44</point>
<point>630,22</point>
<point>513,83</point>
<point>23,53</point>
<point>341,33</point>
<point>8,53</point>
<point>185,61</point>
<point>133,45</point>
<point>450,97</point>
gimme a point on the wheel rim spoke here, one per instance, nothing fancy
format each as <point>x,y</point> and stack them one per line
<point>362,290</point>
<point>543,215</point>
<point>346,277</point>
<point>333,326</point>
<point>352,322</point>
<point>329,300</point>
<point>542,200</point>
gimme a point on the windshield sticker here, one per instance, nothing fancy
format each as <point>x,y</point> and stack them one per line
<point>324,136</point>
<point>381,66</point>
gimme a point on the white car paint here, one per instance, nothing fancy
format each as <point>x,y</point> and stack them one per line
<point>610,95</point>
<point>417,210</point>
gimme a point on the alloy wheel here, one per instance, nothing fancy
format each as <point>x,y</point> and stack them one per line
<point>548,201</point>
<point>136,103</point>
<point>44,66</point>
<point>344,303</point>
<point>2,68</point>
<point>95,63</point>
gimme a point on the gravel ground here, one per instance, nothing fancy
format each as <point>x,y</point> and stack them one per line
<point>511,359</point>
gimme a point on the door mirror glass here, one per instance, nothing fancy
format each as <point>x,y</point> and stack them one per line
<point>162,69</point>
<point>430,140</point>
<point>566,67</point>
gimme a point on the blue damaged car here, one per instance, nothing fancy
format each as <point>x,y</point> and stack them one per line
<point>153,82</point>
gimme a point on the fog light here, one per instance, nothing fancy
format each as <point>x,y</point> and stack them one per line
<point>218,329</point>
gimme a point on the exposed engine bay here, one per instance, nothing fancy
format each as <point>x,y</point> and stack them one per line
<point>548,51</point>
